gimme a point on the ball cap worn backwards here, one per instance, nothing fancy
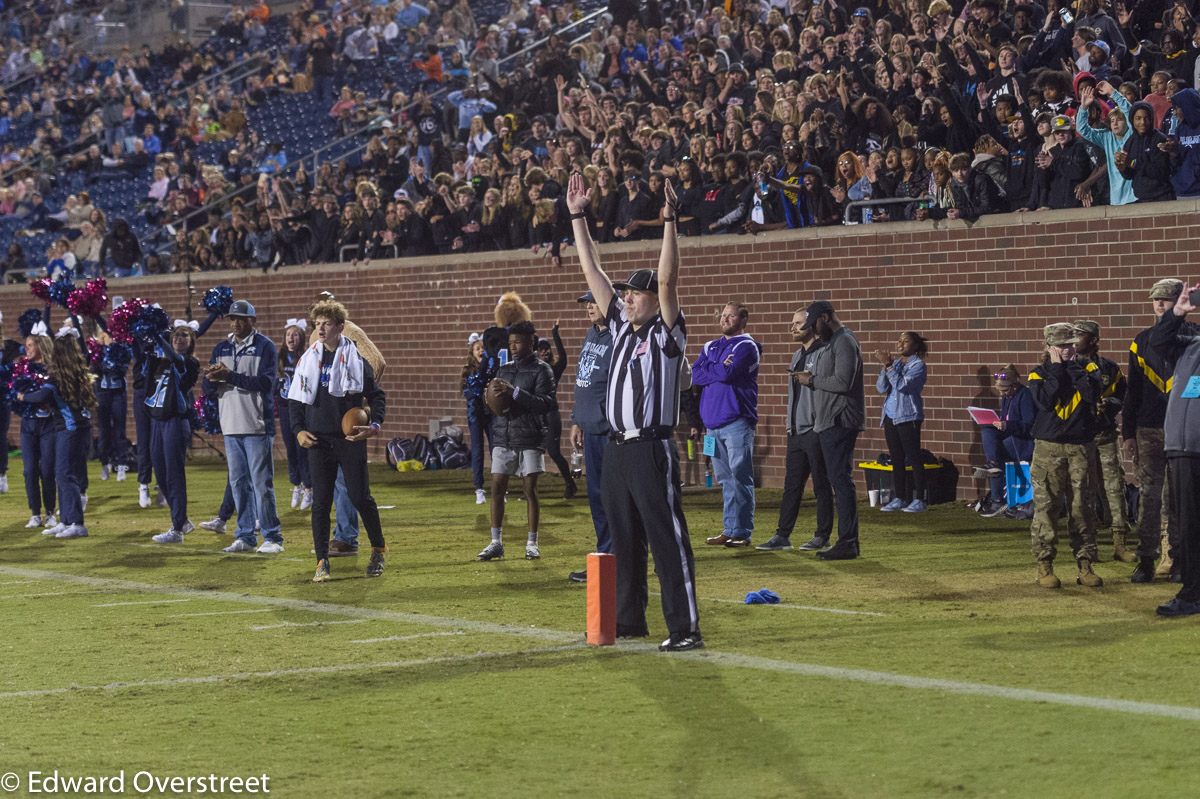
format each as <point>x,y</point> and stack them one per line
<point>815,312</point>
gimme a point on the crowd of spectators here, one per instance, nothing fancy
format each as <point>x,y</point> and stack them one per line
<point>765,114</point>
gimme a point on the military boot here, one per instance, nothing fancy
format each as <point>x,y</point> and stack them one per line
<point>1087,577</point>
<point>1144,572</point>
<point>1046,578</point>
<point>1119,551</point>
<point>1164,565</point>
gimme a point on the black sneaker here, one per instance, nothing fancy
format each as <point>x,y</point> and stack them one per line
<point>375,564</point>
<point>776,543</point>
<point>578,577</point>
<point>1143,572</point>
<point>682,643</point>
<point>1178,607</point>
<point>839,552</point>
<point>991,508</point>
<point>1022,512</point>
<point>814,544</point>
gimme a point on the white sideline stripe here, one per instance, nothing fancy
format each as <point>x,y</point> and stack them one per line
<point>19,582</point>
<point>148,602</point>
<point>179,548</point>
<point>252,675</point>
<point>405,637</point>
<point>799,607</point>
<point>47,593</point>
<point>306,623</point>
<point>218,613</point>
<point>571,641</point>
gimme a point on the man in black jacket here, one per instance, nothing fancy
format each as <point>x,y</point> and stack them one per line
<point>518,433</point>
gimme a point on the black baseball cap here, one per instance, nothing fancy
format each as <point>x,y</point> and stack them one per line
<point>641,280</point>
<point>815,312</point>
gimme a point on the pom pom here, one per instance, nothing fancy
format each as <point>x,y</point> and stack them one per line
<point>94,350</point>
<point>41,289</point>
<point>89,300</point>
<point>121,319</point>
<point>26,376</point>
<point>205,415</point>
<point>60,291</point>
<point>116,357</point>
<point>27,320</point>
<point>150,323</point>
<point>218,299</point>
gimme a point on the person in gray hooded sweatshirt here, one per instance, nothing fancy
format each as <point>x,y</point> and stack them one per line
<point>1178,342</point>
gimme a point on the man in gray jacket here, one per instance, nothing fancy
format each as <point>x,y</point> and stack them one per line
<point>1177,341</point>
<point>839,412</point>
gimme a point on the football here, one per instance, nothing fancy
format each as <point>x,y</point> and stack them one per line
<point>355,417</point>
<point>499,401</point>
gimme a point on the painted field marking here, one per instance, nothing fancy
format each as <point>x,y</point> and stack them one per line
<point>405,637</point>
<point>146,602</point>
<point>218,613</point>
<point>571,641</point>
<point>19,582</point>
<point>308,624</point>
<point>348,667</point>
<point>799,607</point>
<point>46,593</point>
<point>190,550</point>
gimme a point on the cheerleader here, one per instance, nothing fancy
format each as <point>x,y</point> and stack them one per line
<point>293,337</point>
<point>37,435</point>
<point>68,389</point>
<point>112,446</point>
<point>171,371</point>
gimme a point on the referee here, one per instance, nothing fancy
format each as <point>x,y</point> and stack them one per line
<point>641,467</point>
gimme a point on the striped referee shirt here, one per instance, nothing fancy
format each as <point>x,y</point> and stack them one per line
<point>643,381</point>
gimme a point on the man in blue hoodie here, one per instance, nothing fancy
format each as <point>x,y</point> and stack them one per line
<point>1184,145</point>
<point>727,368</point>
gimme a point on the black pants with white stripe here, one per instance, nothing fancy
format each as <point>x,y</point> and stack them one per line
<point>645,515</point>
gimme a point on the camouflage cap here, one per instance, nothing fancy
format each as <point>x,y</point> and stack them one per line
<point>1060,334</point>
<point>1166,289</point>
<point>1087,326</point>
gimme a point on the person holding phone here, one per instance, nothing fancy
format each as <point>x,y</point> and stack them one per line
<point>902,379</point>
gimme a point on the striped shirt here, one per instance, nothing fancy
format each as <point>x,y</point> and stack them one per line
<point>643,381</point>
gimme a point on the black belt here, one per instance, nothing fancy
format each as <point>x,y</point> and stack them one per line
<point>643,434</point>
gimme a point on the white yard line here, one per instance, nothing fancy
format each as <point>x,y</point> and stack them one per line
<point>570,640</point>
<point>308,624</point>
<point>405,637</point>
<point>46,593</point>
<point>181,548</point>
<point>146,602</point>
<point>799,607</point>
<point>219,613</point>
<point>19,582</point>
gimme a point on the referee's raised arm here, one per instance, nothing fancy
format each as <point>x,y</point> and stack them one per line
<point>668,261</point>
<point>578,199</point>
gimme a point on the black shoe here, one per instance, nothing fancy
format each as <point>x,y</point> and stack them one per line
<point>631,632</point>
<point>991,508</point>
<point>682,643</point>
<point>578,577</point>
<point>1178,607</point>
<point>814,544</point>
<point>571,490</point>
<point>1143,572</point>
<point>776,543</point>
<point>839,552</point>
<point>1022,512</point>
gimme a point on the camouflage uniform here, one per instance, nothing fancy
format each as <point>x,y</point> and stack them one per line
<point>1066,396</point>
<point>1108,468</point>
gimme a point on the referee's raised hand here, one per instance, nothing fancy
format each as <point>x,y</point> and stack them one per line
<point>578,196</point>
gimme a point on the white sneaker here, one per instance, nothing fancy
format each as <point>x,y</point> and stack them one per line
<point>83,501</point>
<point>269,548</point>
<point>480,496</point>
<point>121,472</point>
<point>55,530</point>
<point>296,491</point>
<point>105,471</point>
<point>306,499</point>
<point>74,531</point>
<point>143,495</point>
<point>34,521</point>
<point>216,524</point>
<point>239,546</point>
<point>171,536</point>
<point>532,552</point>
<point>162,499</point>
<point>3,483</point>
<point>187,527</point>
<point>48,520</point>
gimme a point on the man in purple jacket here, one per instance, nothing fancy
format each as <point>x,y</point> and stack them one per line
<point>728,369</point>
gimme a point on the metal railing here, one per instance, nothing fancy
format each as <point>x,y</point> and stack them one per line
<point>850,206</point>
<point>557,33</point>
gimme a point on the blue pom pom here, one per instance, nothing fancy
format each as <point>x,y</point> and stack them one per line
<point>150,323</point>
<point>212,415</point>
<point>27,320</point>
<point>217,300</point>
<point>60,290</point>
<point>119,355</point>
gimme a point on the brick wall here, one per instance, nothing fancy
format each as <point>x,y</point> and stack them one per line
<point>980,293</point>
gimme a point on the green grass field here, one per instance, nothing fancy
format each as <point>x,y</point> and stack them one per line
<point>450,677</point>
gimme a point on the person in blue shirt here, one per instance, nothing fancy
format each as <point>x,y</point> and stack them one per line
<point>902,380</point>
<point>469,105</point>
<point>411,14</point>
<point>1009,440</point>
<point>633,49</point>
<point>171,372</point>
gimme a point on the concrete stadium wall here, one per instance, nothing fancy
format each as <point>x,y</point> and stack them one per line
<point>981,293</point>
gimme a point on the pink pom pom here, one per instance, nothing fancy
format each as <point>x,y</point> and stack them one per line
<point>118,323</point>
<point>41,289</point>
<point>89,300</point>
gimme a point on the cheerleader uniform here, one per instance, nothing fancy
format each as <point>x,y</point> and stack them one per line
<point>112,445</point>
<point>37,455</point>
<point>297,461</point>
<point>72,444</point>
<point>169,377</point>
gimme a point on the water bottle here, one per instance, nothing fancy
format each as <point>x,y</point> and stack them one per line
<point>576,464</point>
<point>691,449</point>
<point>708,478</point>
<point>866,213</point>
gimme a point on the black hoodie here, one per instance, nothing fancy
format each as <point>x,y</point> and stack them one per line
<point>1148,168</point>
<point>122,246</point>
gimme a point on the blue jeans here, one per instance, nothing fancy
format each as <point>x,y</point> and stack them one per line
<point>593,461</point>
<point>999,447</point>
<point>478,430</point>
<point>733,468</point>
<point>347,516</point>
<point>252,478</point>
<point>70,470</point>
<point>323,88</point>
<point>837,446</point>
<point>425,156</point>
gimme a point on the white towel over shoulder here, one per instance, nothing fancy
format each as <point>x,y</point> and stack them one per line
<point>345,376</point>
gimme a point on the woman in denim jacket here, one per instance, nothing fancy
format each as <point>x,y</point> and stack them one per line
<point>902,380</point>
